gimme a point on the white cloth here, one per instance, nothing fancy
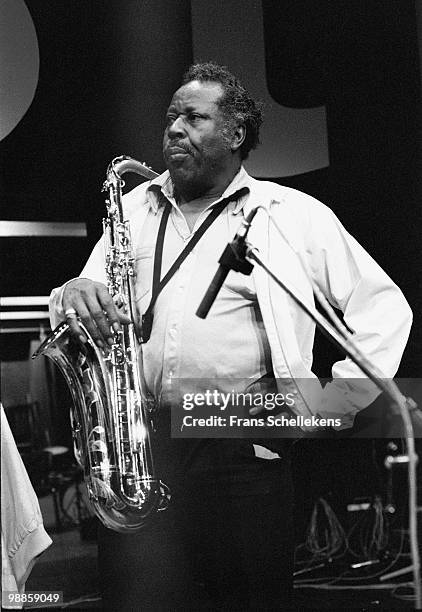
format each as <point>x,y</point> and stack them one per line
<point>23,536</point>
<point>374,308</point>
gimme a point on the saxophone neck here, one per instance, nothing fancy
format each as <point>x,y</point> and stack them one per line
<point>121,165</point>
<point>114,182</point>
<point>120,270</point>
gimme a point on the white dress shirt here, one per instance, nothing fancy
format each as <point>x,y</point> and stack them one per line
<point>373,307</point>
<point>230,346</point>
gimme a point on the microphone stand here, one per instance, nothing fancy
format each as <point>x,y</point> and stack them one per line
<point>343,340</point>
<point>238,256</point>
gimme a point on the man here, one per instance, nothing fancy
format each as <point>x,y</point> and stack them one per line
<point>229,525</point>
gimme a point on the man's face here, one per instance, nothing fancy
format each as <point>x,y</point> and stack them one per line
<point>196,145</point>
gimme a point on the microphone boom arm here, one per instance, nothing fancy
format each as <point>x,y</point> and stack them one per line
<point>239,255</point>
<point>344,341</point>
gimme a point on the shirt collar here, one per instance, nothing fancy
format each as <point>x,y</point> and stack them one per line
<point>162,189</point>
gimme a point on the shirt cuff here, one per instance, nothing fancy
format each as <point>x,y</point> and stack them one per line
<point>55,306</point>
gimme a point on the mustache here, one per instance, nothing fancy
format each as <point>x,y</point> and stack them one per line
<point>180,145</point>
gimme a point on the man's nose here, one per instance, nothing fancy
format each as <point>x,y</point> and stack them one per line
<point>177,128</point>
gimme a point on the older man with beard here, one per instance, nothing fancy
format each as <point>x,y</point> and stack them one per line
<point>226,540</point>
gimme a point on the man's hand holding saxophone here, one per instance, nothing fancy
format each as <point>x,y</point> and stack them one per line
<point>92,303</point>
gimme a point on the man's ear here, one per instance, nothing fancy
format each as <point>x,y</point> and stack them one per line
<point>239,135</point>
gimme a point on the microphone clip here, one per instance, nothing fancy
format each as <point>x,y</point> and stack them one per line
<point>234,257</point>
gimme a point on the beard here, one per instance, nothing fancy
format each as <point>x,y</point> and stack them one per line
<point>196,173</point>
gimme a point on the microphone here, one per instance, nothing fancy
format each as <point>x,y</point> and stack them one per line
<point>232,258</point>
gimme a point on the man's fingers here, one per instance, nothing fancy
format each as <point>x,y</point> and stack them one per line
<point>104,313</point>
<point>115,315</point>
<point>75,328</point>
<point>124,319</point>
<point>109,309</point>
<point>92,303</point>
<point>95,322</point>
<point>72,310</point>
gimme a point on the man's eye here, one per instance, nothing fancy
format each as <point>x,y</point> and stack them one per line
<point>194,117</point>
<point>170,119</point>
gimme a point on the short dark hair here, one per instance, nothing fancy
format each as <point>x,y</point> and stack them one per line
<point>236,103</point>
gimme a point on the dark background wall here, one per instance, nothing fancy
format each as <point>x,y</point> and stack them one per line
<point>360,59</point>
<point>107,72</point>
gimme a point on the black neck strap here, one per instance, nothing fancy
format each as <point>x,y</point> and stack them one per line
<point>157,284</point>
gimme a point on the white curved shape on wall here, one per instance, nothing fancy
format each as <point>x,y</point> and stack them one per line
<point>19,63</point>
<point>231,32</point>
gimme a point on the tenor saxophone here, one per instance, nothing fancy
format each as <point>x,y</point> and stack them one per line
<point>111,415</point>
